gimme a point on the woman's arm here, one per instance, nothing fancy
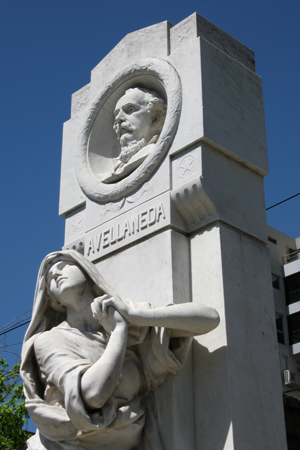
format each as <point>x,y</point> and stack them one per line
<point>185,319</point>
<point>99,381</point>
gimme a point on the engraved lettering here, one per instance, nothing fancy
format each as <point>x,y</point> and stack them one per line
<point>135,224</point>
<point>126,229</point>
<point>119,237</point>
<point>91,246</point>
<point>144,220</point>
<point>160,212</point>
<point>112,240</point>
<point>98,238</point>
<point>106,241</point>
<point>151,216</point>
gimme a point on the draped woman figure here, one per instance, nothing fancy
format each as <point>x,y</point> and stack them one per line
<point>91,360</point>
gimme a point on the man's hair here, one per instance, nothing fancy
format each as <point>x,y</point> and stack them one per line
<point>157,106</point>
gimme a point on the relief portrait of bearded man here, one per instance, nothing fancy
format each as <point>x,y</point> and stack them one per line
<point>139,118</point>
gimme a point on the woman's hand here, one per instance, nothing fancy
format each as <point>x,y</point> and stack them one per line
<point>106,314</point>
<point>106,300</point>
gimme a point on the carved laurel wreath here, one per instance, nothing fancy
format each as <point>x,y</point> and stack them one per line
<point>170,82</point>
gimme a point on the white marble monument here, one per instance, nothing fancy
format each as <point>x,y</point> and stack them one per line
<point>162,191</point>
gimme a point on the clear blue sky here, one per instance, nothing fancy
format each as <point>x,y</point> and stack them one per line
<point>48,49</point>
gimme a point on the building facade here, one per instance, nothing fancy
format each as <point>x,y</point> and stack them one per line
<point>285,269</point>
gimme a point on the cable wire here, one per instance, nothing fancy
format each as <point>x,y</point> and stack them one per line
<point>283,201</point>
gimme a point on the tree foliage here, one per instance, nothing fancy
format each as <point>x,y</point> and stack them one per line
<point>13,414</point>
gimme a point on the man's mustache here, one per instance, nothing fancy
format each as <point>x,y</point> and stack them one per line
<point>120,127</point>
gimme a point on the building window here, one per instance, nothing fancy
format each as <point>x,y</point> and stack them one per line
<point>275,281</point>
<point>294,328</point>
<point>280,329</point>
<point>292,288</point>
<point>283,362</point>
<point>270,239</point>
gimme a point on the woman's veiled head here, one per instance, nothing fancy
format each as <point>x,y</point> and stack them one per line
<point>47,311</point>
<point>65,279</point>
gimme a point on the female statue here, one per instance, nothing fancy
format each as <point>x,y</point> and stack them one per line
<point>90,360</point>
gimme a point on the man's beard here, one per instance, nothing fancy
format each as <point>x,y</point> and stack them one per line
<point>130,149</point>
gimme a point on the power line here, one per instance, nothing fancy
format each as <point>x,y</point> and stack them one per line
<point>15,323</point>
<point>283,201</point>
<point>15,318</point>
<point>14,327</point>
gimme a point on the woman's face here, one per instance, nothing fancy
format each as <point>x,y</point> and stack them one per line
<point>65,277</point>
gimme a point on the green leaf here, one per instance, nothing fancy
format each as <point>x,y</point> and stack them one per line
<point>13,415</point>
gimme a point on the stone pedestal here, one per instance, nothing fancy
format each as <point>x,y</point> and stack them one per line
<point>188,224</point>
